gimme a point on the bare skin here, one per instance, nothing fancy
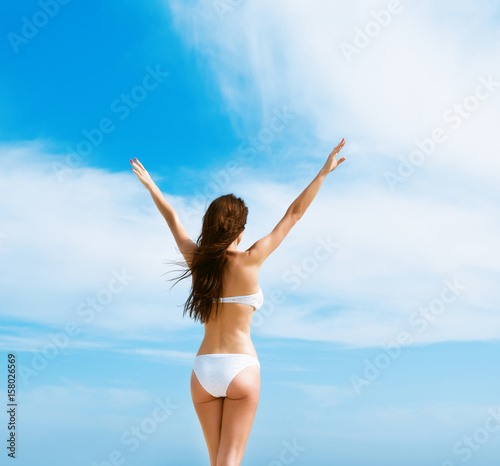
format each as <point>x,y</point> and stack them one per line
<point>227,422</point>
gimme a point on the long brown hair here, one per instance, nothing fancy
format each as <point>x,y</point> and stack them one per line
<point>223,222</point>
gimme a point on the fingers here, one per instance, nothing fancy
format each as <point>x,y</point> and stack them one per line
<point>339,146</point>
<point>139,163</point>
<point>134,167</point>
<point>340,160</point>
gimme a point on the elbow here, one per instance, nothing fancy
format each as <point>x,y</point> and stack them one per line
<point>293,212</point>
<point>295,216</point>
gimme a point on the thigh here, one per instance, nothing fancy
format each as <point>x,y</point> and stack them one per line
<point>209,411</point>
<point>240,407</point>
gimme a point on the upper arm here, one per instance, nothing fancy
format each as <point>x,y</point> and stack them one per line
<point>261,249</point>
<point>185,244</point>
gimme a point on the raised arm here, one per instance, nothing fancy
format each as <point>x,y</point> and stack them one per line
<point>260,250</point>
<point>184,242</point>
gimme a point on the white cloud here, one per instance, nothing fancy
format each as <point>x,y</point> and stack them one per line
<point>38,341</point>
<point>322,396</point>
<point>394,256</point>
<point>446,421</point>
<point>94,239</point>
<point>109,408</point>
<point>393,92</point>
<point>396,247</point>
<point>164,356</point>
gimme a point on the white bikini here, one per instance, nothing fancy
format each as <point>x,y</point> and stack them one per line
<point>216,371</point>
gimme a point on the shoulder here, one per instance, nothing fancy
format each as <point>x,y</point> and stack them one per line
<point>239,258</point>
<point>236,256</point>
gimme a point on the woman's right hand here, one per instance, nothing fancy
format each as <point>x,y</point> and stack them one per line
<point>332,163</point>
<point>142,174</point>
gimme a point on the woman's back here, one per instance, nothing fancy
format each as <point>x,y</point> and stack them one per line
<point>229,332</point>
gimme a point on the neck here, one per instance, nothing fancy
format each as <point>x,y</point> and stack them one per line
<point>233,246</point>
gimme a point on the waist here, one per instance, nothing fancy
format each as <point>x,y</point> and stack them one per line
<point>226,355</point>
<point>240,347</point>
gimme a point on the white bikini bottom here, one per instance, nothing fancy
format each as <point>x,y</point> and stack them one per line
<point>215,371</point>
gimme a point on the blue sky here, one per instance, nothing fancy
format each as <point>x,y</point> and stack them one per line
<point>379,336</point>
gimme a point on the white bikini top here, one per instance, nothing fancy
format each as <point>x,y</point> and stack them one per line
<point>254,300</point>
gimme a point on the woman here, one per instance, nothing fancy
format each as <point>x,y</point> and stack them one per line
<point>225,291</point>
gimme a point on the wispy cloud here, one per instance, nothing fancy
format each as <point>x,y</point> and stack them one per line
<point>398,243</point>
<point>322,395</point>
<point>162,356</point>
<point>394,93</point>
<point>389,257</point>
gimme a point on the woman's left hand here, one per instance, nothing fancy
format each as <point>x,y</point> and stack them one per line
<point>142,174</point>
<point>332,163</point>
